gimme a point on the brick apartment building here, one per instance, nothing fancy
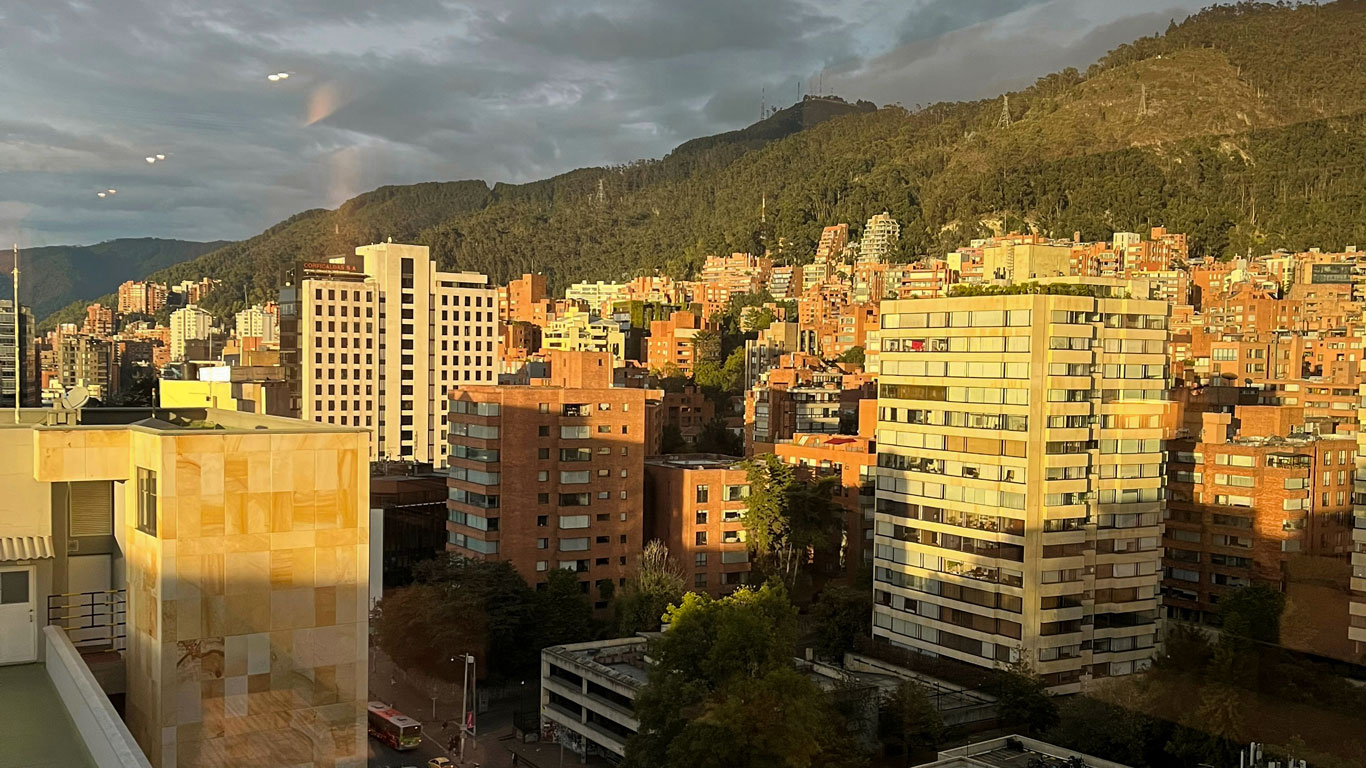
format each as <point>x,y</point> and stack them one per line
<point>1256,499</point>
<point>572,448</point>
<point>670,342</point>
<point>851,458</point>
<point>695,504</point>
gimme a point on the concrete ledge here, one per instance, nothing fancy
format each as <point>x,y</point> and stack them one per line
<point>106,737</point>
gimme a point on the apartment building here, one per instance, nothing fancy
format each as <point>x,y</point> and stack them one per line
<point>525,300</point>
<point>377,339</point>
<point>833,241</point>
<point>802,394</point>
<point>188,324</point>
<point>880,236</point>
<point>572,448</point>
<point>1256,499</point>
<point>224,556</point>
<point>696,506</point>
<point>779,338</point>
<point>588,692</point>
<point>598,297</point>
<point>99,320</point>
<point>142,298</point>
<point>580,330</point>
<point>24,369</point>
<point>670,342</point>
<point>87,361</point>
<point>1020,479</point>
<point>1356,619</point>
<point>785,282</point>
<point>1019,258</point>
<point>259,323</point>
<point>852,459</point>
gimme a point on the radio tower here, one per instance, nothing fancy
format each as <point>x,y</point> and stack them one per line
<point>1004,120</point>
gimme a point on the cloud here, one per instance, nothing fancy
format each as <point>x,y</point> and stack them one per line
<point>415,90</point>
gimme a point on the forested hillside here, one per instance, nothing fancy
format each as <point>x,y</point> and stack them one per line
<point>56,275</point>
<point>1239,125</point>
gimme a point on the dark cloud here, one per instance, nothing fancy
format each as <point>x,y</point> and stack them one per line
<point>412,90</point>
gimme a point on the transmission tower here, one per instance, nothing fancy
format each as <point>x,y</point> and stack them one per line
<point>1142,100</point>
<point>1004,120</point>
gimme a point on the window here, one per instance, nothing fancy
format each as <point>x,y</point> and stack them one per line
<point>579,432</point>
<point>700,560</point>
<point>703,493</point>
<point>573,521</point>
<point>700,539</point>
<point>147,501</point>
<point>574,478</point>
<point>737,492</point>
<point>701,517</point>
<point>699,580</point>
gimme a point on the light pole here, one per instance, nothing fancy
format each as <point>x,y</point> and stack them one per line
<point>466,725</point>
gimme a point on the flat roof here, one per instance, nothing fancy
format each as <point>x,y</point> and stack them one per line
<point>169,420</point>
<point>696,461</point>
<point>38,729</point>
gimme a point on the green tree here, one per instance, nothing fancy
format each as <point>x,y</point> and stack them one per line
<point>657,584</point>
<point>1022,698</point>
<point>1254,613</point>
<point>910,718</point>
<point>789,523</point>
<point>671,440</point>
<point>841,615</point>
<point>723,691</point>
<point>716,437</point>
<point>1102,729</point>
<point>852,355</point>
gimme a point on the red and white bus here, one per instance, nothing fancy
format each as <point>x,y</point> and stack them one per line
<point>393,727</point>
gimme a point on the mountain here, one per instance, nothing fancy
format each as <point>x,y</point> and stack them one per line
<point>1239,125</point>
<point>53,276</point>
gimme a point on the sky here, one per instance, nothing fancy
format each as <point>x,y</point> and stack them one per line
<point>402,91</point>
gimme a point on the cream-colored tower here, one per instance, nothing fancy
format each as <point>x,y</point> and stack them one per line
<point>383,336</point>
<point>1020,479</point>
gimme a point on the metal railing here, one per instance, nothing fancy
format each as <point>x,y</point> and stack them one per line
<point>93,621</point>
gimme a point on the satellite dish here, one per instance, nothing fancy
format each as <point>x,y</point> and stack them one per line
<point>75,398</point>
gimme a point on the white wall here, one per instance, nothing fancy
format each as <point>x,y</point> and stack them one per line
<point>105,736</point>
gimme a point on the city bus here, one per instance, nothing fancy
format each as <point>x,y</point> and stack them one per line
<point>393,727</point>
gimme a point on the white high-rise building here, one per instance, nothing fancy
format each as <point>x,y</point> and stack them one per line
<point>256,322</point>
<point>1020,480</point>
<point>880,235</point>
<point>377,340</point>
<point>188,324</point>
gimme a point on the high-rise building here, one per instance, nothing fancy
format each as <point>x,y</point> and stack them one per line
<point>87,361</point>
<point>525,300</point>
<point>880,236</point>
<point>142,298</point>
<point>1021,479</point>
<point>378,339</point>
<point>670,342</point>
<point>256,322</point>
<point>27,368</point>
<point>571,448</point>
<point>99,320</point>
<point>188,324</point>
<point>832,242</point>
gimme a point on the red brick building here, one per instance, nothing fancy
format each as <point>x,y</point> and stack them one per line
<point>1255,499</point>
<point>670,342</point>
<point>695,505</point>
<point>551,475</point>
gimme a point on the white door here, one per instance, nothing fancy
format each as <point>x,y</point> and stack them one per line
<point>18,615</point>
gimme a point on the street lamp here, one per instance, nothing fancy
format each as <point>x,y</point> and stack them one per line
<point>466,716</point>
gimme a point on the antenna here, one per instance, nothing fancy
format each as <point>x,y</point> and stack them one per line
<point>1004,120</point>
<point>763,207</point>
<point>18,348</point>
<point>763,102</point>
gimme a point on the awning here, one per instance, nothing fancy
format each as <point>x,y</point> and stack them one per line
<point>25,547</point>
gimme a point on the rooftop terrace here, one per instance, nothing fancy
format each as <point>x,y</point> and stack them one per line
<point>37,730</point>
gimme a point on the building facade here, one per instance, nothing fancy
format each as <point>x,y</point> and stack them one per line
<point>188,324</point>
<point>377,340</point>
<point>571,448</point>
<point>1020,480</point>
<point>696,506</point>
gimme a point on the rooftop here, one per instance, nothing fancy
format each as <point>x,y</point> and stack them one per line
<point>38,730</point>
<point>696,461</point>
<point>1016,752</point>
<point>170,420</point>
<point>622,659</point>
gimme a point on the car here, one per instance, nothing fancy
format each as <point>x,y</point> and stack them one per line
<point>440,762</point>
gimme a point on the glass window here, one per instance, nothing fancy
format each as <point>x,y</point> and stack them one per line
<point>147,501</point>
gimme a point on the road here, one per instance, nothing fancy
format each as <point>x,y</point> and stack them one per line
<point>381,756</point>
